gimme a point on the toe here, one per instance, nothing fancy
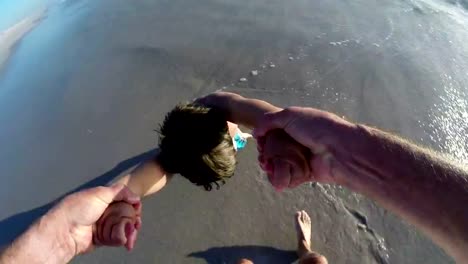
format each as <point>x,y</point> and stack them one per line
<point>298,215</point>
<point>303,216</point>
<point>306,217</point>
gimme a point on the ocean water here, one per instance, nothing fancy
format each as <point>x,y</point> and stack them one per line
<point>84,88</point>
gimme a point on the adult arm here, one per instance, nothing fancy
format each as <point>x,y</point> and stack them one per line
<point>417,184</point>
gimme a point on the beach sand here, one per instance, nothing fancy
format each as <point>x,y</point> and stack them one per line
<point>82,95</point>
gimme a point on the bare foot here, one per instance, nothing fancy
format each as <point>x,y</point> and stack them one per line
<point>304,232</point>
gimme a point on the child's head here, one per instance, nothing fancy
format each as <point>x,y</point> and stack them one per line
<point>195,142</point>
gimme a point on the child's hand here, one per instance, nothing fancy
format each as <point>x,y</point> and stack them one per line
<point>284,159</point>
<point>118,226</point>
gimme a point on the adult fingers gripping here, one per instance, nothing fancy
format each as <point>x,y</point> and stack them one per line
<point>260,144</point>
<point>115,193</point>
<point>121,193</point>
<point>138,223</point>
<point>110,232</point>
<point>297,178</point>
<point>131,235</point>
<point>281,174</point>
<point>270,121</point>
<point>124,194</point>
<point>120,231</point>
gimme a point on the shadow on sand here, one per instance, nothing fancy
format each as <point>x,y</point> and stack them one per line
<point>15,225</point>
<point>257,254</point>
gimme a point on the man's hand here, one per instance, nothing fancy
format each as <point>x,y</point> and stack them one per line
<point>83,209</point>
<point>118,226</point>
<point>319,131</point>
<point>285,161</point>
<point>67,229</point>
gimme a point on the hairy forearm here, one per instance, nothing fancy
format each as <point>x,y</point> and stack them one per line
<point>146,179</point>
<point>415,183</point>
<point>43,242</point>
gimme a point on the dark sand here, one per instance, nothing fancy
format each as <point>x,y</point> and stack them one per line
<point>85,89</point>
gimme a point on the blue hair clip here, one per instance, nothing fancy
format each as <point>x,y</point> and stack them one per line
<point>239,141</point>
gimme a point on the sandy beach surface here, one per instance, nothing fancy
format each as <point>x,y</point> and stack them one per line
<point>83,91</point>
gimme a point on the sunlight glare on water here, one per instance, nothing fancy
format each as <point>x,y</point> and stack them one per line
<point>449,121</point>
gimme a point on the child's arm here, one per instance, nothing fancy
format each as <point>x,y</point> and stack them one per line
<point>146,179</point>
<point>240,110</point>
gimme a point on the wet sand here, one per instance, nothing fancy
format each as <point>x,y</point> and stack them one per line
<point>84,91</point>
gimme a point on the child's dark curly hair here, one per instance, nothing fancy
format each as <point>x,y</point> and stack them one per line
<point>194,141</point>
